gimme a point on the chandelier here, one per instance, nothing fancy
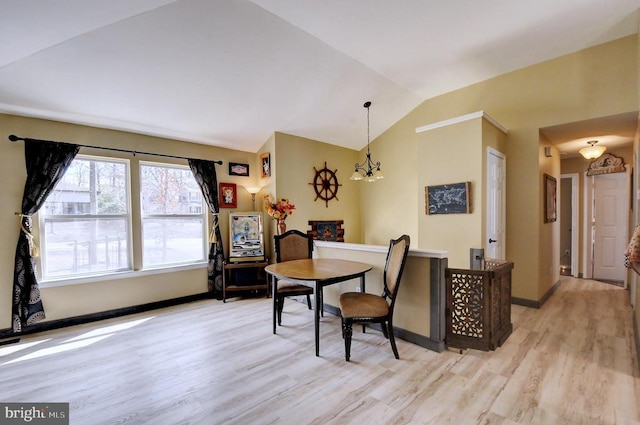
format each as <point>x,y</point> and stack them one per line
<point>592,151</point>
<point>368,171</point>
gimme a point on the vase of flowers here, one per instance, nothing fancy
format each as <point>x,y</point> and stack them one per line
<point>279,210</point>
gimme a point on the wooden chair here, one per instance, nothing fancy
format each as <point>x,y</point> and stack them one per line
<point>291,245</point>
<point>358,307</point>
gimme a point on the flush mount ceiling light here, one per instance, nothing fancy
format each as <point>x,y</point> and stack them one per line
<point>593,151</point>
<point>368,170</point>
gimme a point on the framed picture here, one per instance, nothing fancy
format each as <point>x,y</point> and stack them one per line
<point>327,230</point>
<point>550,193</point>
<point>452,198</point>
<point>245,237</point>
<point>265,161</point>
<point>228,195</point>
<point>237,169</point>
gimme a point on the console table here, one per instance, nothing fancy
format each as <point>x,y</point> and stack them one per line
<point>257,280</point>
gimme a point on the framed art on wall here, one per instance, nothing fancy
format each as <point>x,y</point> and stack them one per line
<point>228,195</point>
<point>550,193</point>
<point>265,161</point>
<point>237,169</point>
<point>452,198</point>
<point>327,230</point>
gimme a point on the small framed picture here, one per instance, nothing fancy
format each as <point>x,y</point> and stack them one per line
<point>237,169</point>
<point>550,192</point>
<point>228,195</point>
<point>265,161</point>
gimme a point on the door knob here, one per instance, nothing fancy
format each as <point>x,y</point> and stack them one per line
<point>492,240</point>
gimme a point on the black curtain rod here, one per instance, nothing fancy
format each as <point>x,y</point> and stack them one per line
<point>14,138</point>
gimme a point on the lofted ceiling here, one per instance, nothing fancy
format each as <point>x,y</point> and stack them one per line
<point>229,73</point>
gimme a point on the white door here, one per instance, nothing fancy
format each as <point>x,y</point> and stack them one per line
<point>610,226</point>
<point>496,205</point>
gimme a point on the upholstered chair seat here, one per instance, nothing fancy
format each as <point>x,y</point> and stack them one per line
<point>357,306</point>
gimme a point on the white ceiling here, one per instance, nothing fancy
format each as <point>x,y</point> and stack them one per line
<point>231,72</point>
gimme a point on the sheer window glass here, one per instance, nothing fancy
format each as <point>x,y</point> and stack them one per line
<point>85,222</point>
<point>174,220</point>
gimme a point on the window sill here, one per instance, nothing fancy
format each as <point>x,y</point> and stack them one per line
<point>129,274</point>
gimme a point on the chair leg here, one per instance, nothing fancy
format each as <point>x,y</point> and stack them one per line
<point>347,332</point>
<point>392,339</point>
<point>280,307</point>
<point>384,330</point>
<point>275,313</point>
<point>309,301</point>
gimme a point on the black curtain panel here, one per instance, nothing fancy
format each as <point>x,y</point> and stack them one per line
<point>46,163</point>
<point>205,174</point>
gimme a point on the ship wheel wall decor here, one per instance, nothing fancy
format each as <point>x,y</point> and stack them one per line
<point>325,184</point>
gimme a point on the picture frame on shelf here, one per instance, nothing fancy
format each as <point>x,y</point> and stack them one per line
<point>550,198</point>
<point>238,169</point>
<point>265,164</point>
<point>326,230</point>
<point>228,195</point>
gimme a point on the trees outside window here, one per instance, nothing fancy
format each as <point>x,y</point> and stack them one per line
<point>173,216</point>
<point>85,222</point>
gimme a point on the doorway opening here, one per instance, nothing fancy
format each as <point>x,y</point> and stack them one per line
<point>569,215</point>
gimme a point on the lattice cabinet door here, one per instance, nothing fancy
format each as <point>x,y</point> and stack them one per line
<point>478,306</point>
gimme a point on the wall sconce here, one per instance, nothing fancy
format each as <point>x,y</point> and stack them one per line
<point>253,190</point>
<point>367,174</point>
<point>547,152</point>
<point>593,151</point>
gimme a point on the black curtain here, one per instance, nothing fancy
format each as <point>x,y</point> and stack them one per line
<point>205,174</point>
<point>46,163</point>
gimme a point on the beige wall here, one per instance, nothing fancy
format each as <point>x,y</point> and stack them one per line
<point>593,83</point>
<point>296,160</point>
<point>549,243</point>
<point>460,152</point>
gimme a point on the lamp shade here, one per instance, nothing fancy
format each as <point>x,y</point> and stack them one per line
<point>356,176</point>
<point>593,151</point>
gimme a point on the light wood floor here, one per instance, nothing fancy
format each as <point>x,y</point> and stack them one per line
<point>571,362</point>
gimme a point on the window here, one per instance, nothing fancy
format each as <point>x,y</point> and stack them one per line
<point>173,216</point>
<point>85,222</point>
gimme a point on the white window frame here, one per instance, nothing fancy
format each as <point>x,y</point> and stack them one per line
<point>43,218</point>
<point>135,238</point>
<point>203,215</point>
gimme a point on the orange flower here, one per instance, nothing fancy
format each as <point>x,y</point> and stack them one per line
<point>279,210</point>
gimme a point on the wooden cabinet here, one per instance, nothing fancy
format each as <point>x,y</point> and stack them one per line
<point>244,277</point>
<point>478,309</point>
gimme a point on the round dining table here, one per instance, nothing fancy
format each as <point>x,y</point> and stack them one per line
<point>319,272</point>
